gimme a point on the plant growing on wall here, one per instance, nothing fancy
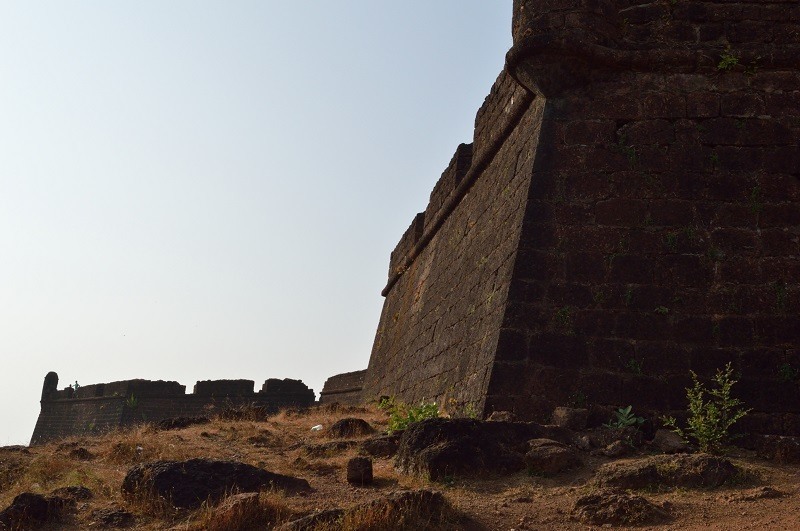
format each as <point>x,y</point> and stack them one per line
<point>727,61</point>
<point>712,412</point>
<point>131,402</point>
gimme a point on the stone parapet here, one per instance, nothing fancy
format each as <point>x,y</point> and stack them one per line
<point>101,407</point>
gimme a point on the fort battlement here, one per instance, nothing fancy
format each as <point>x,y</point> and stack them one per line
<point>628,212</point>
<point>100,407</point>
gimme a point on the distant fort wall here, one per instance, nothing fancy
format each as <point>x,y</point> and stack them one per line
<point>343,388</point>
<point>101,407</point>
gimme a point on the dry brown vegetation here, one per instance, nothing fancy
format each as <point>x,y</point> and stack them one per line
<point>277,443</point>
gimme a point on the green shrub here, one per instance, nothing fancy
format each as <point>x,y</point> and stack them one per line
<point>401,414</point>
<point>712,412</point>
<point>624,418</point>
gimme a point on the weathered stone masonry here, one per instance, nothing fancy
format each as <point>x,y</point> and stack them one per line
<point>343,388</point>
<point>100,407</point>
<point>629,211</point>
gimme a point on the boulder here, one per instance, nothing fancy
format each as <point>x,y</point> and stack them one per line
<point>572,418</point>
<point>547,457</point>
<point>441,447</point>
<point>617,449</point>
<point>680,470</point>
<point>616,508</point>
<point>187,484</point>
<point>350,427</point>
<point>669,442</point>
<point>359,471</point>
<point>382,446</point>
<point>781,449</point>
<point>32,511</point>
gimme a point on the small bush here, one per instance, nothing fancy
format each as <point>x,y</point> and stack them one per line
<point>401,414</point>
<point>712,412</point>
<point>624,418</point>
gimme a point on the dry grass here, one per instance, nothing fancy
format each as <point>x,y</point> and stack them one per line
<point>277,443</point>
<point>394,517</point>
<point>271,508</point>
<point>273,442</point>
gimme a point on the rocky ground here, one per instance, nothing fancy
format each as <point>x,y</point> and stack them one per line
<point>247,470</point>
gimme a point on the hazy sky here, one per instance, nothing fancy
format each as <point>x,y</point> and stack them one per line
<point>196,190</point>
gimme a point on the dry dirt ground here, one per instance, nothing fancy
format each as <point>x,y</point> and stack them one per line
<point>518,501</point>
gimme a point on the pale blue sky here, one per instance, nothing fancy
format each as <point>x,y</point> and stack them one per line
<point>197,190</point>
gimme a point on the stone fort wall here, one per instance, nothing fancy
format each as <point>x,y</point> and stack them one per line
<point>343,388</point>
<point>101,407</point>
<point>629,211</point>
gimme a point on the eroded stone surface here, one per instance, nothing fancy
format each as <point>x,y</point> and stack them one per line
<point>187,484</point>
<point>436,448</point>
<point>617,508</point>
<point>681,470</point>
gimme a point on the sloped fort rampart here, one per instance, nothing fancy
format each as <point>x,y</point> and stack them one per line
<point>100,407</point>
<point>628,211</point>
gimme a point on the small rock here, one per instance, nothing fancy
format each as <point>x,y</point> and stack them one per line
<point>317,427</point>
<point>112,517</point>
<point>567,417</point>
<point>547,457</point>
<point>669,442</point>
<point>761,493</point>
<point>350,427</point>
<point>359,471</point>
<point>613,508</point>
<point>617,449</point>
<point>502,416</point>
